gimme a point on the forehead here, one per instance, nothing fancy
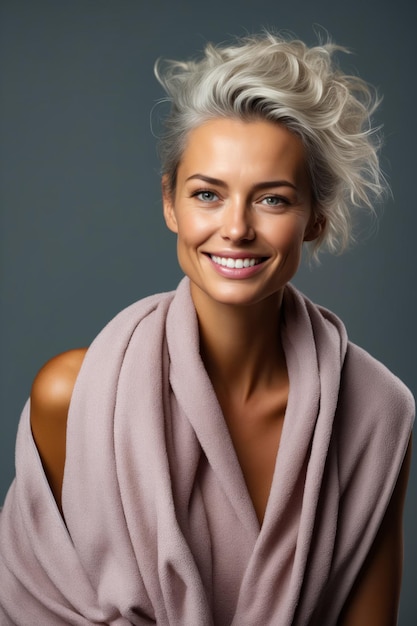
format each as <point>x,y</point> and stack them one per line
<point>229,147</point>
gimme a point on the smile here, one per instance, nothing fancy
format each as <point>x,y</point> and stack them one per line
<point>235,263</point>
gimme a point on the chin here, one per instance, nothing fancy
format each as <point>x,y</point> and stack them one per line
<point>236,294</point>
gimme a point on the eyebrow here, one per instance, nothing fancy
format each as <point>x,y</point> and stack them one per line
<point>263,185</point>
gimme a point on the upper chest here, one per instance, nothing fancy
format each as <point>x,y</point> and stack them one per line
<point>255,429</point>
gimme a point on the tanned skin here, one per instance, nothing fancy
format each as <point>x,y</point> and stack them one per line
<point>49,403</point>
<point>242,187</point>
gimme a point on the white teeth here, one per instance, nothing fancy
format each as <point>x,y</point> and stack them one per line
<point>234,263</point>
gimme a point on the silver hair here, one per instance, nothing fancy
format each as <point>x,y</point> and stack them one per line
<point>269,77</point>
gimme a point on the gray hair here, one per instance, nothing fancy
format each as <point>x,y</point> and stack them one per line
<point>268,77</point>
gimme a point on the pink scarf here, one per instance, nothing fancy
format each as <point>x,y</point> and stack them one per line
<point>159,526</point>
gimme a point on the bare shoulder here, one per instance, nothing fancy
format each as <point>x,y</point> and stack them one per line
<point>49,402</point>
<point>54,383</point>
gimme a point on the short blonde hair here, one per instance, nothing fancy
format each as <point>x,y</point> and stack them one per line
<point>272,78</point>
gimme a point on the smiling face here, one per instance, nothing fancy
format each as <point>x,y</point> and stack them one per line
<point>241,210</point>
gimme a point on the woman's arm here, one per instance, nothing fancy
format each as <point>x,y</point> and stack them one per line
<point>375,596</point>
<point>49,402</point>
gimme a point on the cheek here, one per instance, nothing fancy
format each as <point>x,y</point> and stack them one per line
<point>193,229</point>
<point>289,234</point>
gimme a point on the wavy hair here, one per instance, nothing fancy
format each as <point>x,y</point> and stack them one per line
<point>272,78</point>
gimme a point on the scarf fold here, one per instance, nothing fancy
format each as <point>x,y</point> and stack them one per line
<point>159,526</point>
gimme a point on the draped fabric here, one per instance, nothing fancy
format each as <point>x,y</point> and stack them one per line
<point>159,526</point>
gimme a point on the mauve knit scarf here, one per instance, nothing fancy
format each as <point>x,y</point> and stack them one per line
<point>159,526</point>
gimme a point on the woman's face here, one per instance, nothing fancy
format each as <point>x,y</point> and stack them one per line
<point>241,210</point>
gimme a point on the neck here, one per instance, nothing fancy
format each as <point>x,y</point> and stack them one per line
<point>241,345</point>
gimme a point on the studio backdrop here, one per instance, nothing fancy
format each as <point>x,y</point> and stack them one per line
<point>82,233</point>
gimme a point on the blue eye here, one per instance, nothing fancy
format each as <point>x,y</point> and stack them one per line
<point>273,200</point>
<point>206,196</point>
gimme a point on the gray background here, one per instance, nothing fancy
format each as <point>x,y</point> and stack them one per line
<point>81,229</point>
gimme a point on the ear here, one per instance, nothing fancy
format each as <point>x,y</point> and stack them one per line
<point>315,227</point>
<point>168,204</point>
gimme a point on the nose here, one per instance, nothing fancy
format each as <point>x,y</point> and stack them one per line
<point>237,222</point>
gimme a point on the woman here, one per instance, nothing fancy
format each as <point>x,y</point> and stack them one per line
<point>230,458</point>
